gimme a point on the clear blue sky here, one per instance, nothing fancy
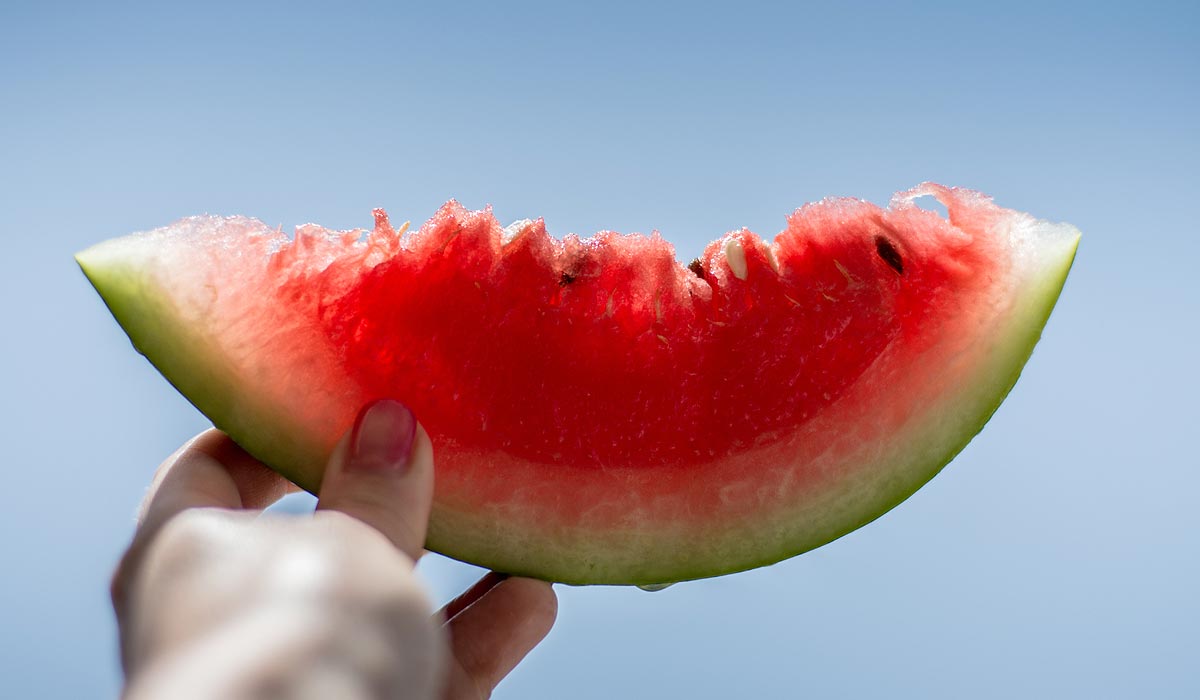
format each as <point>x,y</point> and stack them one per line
<point>1058,556</point>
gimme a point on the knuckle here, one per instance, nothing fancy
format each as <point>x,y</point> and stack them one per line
<point>186,541</point>
<point>178,539</point>
<point>183,531</point>
<point>377,512</point>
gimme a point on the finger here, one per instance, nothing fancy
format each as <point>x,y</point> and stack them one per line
<point>469,596</point>
<point>491,636</point>
<point>210,471</point>
<point>258,485</point>
<point>382,474</point>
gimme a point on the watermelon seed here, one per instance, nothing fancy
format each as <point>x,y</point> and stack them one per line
<point>889,254</point>
<point>696,268</point>
<point>772,260</point>
<point>509,233</point>
<point>735,256</point>
<point>566,279</point>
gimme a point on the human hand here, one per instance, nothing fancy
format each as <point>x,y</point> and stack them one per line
<point>214,601</point>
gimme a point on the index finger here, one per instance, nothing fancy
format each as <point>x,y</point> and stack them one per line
<point>210,471</point>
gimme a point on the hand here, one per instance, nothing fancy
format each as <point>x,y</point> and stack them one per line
<point>214,601</point>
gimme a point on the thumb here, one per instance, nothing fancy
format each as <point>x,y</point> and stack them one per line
<point>382,474</point>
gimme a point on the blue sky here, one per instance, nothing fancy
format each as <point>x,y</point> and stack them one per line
<point>1056,557</point>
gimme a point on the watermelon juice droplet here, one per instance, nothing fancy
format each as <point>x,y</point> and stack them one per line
<point>655,587</point>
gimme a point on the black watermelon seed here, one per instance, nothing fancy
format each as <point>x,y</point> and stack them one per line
<point>889,254</point>
<point>696,268</point>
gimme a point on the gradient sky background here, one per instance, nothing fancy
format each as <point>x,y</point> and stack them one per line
<point>1058,556</point>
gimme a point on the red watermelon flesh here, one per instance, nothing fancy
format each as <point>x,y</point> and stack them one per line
<point>600,412</point>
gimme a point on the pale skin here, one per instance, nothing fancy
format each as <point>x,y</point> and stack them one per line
<point>215,600</point>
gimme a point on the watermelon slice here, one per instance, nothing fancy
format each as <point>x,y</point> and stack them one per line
<point>600,412</point>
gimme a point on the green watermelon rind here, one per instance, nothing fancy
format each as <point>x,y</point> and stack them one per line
<point>121,271</point>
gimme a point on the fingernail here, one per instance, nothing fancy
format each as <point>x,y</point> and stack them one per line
<point>382,438</point>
